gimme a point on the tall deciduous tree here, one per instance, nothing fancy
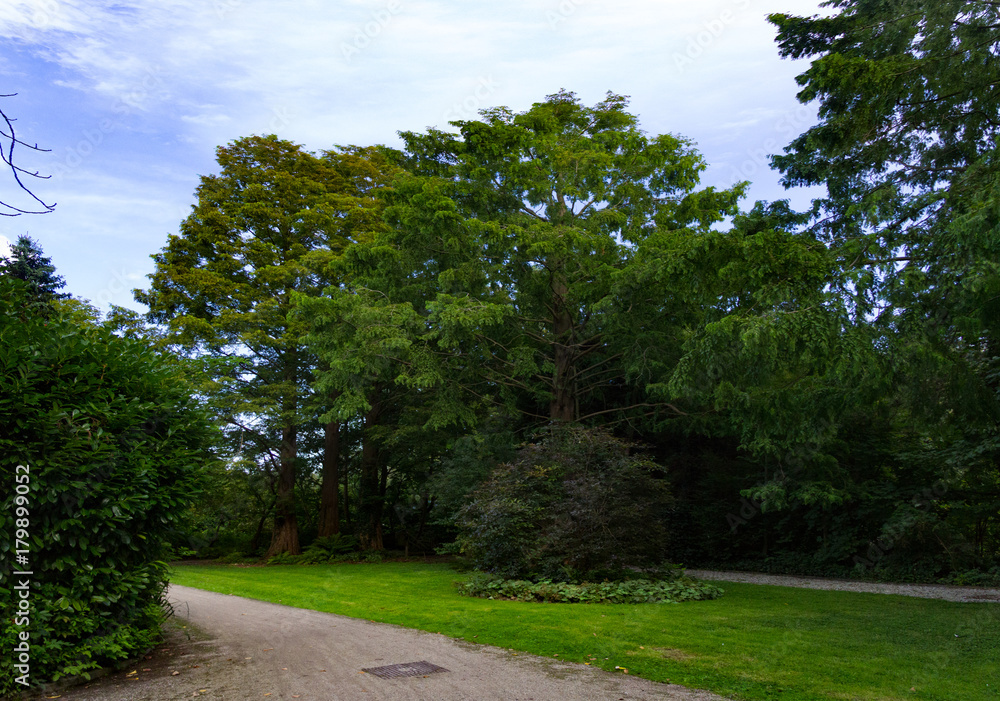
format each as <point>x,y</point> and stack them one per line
<point>264,228</point>
<point>516,231</point>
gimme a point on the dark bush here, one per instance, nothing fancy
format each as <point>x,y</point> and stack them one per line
<point>577,505</point>
<point>113,447</point>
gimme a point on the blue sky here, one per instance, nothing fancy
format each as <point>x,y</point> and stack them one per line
<point>132,98</point>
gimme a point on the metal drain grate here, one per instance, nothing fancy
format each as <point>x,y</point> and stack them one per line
<point>409,669</point>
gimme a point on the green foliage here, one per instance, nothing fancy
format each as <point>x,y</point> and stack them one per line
<point>578,505</point>
<point>531,218</point>
<point>467,464</point>
<point>631,591</point>
<point>325,549</point>
<point>28,264</point>
<point>267,227</point>
<point>115,445</point>
<point>335,548</point>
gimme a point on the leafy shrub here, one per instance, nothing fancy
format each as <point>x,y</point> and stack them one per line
<point>578,505</point>
<point>236,558</point>
<point>285,558</point>
<point>322,549</point>
<point>975,578</point>
<point>632,591</point>
<point>114,446</point>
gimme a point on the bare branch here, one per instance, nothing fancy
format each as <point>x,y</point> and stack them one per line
<point>8,140</point>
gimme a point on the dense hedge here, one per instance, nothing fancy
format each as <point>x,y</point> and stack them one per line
<point>114,446</point>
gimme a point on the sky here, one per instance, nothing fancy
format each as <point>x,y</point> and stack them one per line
<point>131,99</point>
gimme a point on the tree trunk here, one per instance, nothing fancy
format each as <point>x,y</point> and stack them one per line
<point>329,516</point>
<point>562,407</point>
<point>372,503</point>
<point>286,527</point>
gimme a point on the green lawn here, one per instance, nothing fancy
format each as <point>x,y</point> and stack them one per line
<point>756,642</point>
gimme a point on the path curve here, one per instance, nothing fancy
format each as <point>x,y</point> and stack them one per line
<point>237,649</point>
<point>925,591</point>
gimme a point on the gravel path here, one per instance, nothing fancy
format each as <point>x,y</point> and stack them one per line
<point>925,591</point>
<point>237,649</point>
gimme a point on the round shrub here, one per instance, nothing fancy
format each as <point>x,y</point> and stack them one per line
<point>113,446</point>
<point>578,505</point>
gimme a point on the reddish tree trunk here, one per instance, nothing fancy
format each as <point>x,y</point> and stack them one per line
<point>286,527</point>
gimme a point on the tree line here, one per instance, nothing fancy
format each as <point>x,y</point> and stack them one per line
<point>376,329</point>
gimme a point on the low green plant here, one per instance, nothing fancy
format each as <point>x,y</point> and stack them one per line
<point>236,558</point>
<point>323,549</point>
<point>332,550</point>
<point>632,591</point>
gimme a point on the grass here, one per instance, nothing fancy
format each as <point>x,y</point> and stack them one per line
<point>756,642</point>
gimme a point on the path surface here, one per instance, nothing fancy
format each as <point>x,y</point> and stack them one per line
<point>926,591</point>
<point>238,649</point>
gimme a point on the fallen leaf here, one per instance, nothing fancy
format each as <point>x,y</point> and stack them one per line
<point>134,671</point>
<point>174,674</point>
<point>146,669</point>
